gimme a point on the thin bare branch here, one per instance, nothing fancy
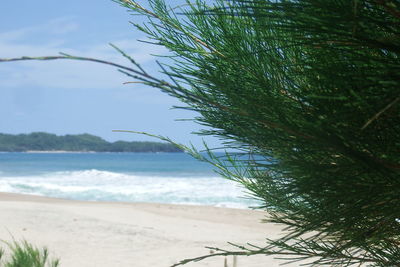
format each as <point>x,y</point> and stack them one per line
<point>377,115</point>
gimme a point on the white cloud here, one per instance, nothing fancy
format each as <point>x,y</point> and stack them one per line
<point>65,73</point>
<point>57,27</point>
<point>62,26</point>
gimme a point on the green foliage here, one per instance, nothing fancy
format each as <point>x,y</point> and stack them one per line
<point>23,254</point>
<point>82,142</point>
<point>312,88</point>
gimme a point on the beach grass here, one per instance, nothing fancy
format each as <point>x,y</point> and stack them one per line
<point>24,254</point>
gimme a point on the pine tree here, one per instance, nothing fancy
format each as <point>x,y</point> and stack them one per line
<point>308,92</point>
<point>312,88</point>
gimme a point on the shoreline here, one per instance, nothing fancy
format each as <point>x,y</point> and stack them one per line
<point>123,234</point>
<point>54,152</point>
<point>83,152</point>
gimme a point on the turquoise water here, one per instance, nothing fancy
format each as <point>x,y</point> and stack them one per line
<point>130,177</point>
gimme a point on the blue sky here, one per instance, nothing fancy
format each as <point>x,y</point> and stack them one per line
<point>64,97</point>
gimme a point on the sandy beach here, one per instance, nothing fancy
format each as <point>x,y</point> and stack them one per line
<point>131,234</point>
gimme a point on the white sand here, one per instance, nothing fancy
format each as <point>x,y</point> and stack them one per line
<point>86,234</point>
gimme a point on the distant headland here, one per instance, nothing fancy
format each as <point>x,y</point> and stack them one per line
<point>46,142</point>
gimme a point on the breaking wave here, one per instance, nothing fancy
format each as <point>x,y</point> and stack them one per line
<point>98,185</point>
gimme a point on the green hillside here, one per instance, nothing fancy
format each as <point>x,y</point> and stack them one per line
<point>40,141</point>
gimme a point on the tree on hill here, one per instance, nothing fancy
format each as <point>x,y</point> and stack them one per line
<point>40,141</point>
<point>311,87</point>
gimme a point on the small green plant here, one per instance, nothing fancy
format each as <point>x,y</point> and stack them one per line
<point>24,254</point>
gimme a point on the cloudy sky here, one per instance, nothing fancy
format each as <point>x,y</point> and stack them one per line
<point>64,97</point>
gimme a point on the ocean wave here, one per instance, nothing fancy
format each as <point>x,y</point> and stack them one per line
<point>99,185</point>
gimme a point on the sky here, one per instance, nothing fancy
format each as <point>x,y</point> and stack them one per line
<point>65,97</point>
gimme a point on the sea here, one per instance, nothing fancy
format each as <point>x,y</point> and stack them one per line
<point>174,178</point>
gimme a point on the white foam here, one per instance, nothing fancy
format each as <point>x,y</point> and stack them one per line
<point>111,186</point>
